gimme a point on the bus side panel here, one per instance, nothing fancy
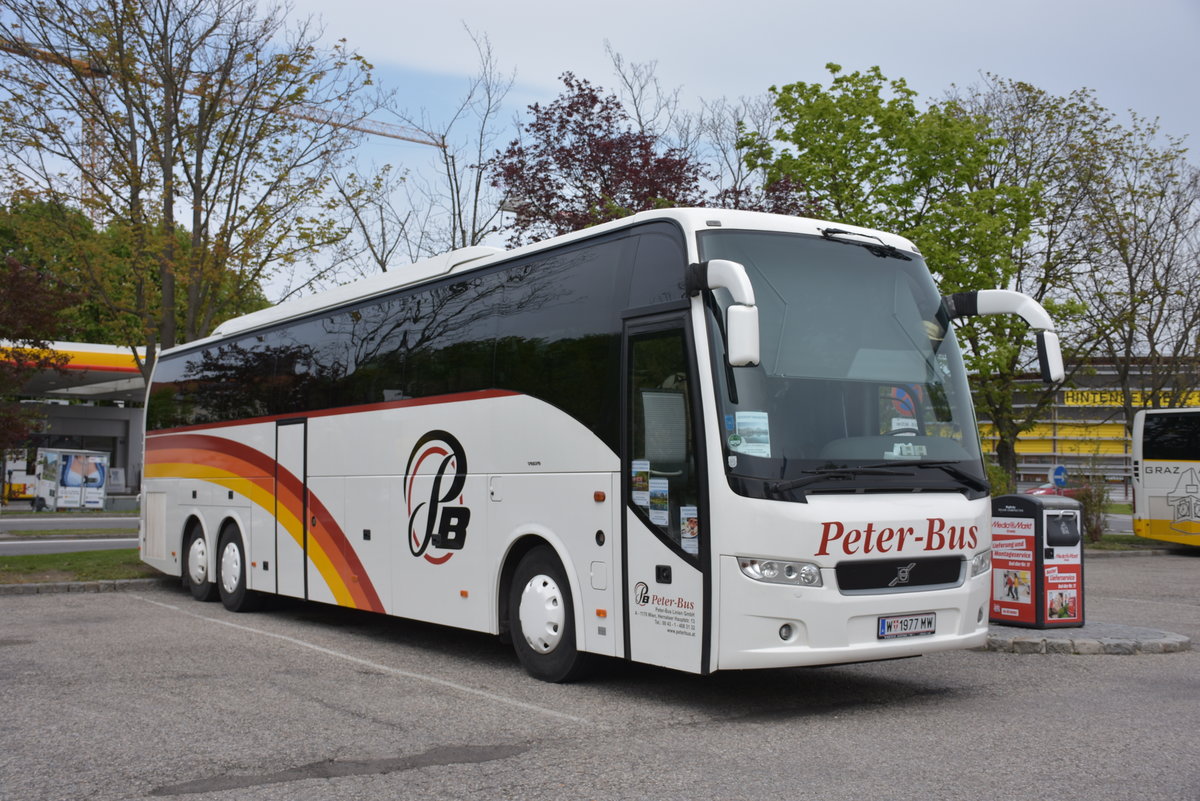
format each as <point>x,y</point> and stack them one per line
<point>1168,503</point>
<point>372,511</point>
<point>573,512</point>
<point>159,540</point>
<point>665,600</point>
<point>324,581</point>
<point>446,585</point>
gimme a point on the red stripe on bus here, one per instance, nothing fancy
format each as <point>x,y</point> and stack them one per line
<point>251,464</point>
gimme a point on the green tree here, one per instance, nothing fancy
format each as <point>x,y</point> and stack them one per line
<point>48,238</point>
<point>30,300</point>
<point>61,242</point>
<point>869,155</point>
<point>206,117</point>
<point>1050,148</point>
<point>1144,215</point>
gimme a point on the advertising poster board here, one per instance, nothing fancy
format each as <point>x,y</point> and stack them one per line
<point>1013,565</point>
<point>72,479</point>
<point>1063,568</point>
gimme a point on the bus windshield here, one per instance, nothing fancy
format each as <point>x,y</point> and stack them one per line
<point>861,383</point>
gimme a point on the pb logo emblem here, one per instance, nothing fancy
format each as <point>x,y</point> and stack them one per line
<point>433,484</point>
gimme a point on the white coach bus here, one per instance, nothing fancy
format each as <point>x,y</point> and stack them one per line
<point>695,438</point>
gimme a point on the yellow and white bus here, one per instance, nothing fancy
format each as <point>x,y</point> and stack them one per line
<point>695,438</point>
<point>1166,475</point>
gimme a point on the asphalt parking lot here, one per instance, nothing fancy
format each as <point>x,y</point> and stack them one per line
<point>144,693</point>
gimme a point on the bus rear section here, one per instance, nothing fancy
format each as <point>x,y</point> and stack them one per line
<point>1166,475</point>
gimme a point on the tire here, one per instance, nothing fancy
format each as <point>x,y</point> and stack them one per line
<point>194,569</point>
<point>541,618</point>
<point>231,573</point>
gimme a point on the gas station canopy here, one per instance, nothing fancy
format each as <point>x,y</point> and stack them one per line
<point>94,373</point>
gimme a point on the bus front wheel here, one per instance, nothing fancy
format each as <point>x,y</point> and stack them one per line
<point>542,619</point>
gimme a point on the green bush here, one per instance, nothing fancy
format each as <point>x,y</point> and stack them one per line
<point>1094,497</point>
<point>1002,483</point>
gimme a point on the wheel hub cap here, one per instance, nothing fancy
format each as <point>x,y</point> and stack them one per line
<point>543,614</point>
<point>198,561</point>
<point>231,567</point>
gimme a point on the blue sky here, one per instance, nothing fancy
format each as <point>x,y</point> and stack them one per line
<point>1135,55</point>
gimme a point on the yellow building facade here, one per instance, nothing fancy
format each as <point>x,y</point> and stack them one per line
<point>1084,431</point>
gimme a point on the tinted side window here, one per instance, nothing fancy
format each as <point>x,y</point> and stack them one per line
<point>659,267</point>
<point>559,339</point>
<point>1171,437</point>
<point>437,340</point>
<point>223,382</point>
<point>548,327</point>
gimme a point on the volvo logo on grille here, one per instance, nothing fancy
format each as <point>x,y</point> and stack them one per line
<point>902,574</point>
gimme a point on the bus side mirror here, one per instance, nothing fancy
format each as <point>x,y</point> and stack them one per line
<point>1005,301</point>
<point>741,318</point>
<point>741,327</point>
<point>1050,359</point>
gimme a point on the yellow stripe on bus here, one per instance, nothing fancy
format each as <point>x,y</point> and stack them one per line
<point>265,499</point>
<point>1183,532</point>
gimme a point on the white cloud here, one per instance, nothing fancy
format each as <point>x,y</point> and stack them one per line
<point>1135,56</point>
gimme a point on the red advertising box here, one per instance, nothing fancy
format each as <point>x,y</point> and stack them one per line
<point>1037,561</point>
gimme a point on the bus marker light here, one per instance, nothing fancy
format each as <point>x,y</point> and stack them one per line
<point>598,496</point>
<point>463,593</point>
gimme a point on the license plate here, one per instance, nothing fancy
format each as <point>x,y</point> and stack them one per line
<point>907,625</point>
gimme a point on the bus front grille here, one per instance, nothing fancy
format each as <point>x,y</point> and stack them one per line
<point>900,575</point>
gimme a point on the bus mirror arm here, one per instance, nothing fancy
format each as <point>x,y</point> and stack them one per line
<point>741,318</point>
<point>1005,301</point>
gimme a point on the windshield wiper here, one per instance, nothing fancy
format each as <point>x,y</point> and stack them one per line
<point>946,466</point>
<point>878,248</point>
<point>840,473</point>
<point>951,468</point>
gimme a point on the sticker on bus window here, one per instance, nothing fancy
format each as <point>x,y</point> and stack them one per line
<point>907,450</point>
<point>660,502</point>
<point>639,483</point>
<point>754,431</point>
<point>689,529</point>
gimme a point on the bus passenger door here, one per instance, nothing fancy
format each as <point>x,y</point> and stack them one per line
<point>291,510</point>
<point>665,548</point>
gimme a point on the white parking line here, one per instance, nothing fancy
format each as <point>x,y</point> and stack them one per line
<point>501,699</point>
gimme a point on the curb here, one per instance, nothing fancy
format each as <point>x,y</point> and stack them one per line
<point>1090,555</point>
<point>115,585</point>
<point>1092,639</point>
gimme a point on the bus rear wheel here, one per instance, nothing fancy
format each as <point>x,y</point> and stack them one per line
<point>231,574</point>
<point>195,566</point>
<point>541,616</point>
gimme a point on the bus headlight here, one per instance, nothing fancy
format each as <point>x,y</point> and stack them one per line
<point>776,571</point>
<point>981,563</point>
